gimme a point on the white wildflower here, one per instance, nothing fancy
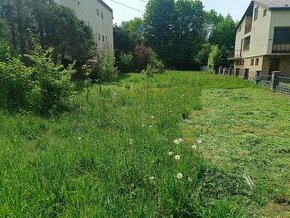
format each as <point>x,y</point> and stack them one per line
<point>199,141</point>
<point>170,153</point>
<point>79,138</point>
<point>176,141</point>
<point>152,178</point>
<point>180,140</point>
<point>152,117</point>
<point>194,147</point>
<point>177,157</point>
<point>130,141</point>
<point>179,176</point>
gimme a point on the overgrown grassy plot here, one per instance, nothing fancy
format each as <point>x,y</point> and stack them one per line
<point>111,156</point>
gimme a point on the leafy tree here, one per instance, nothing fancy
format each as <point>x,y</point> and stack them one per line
<point>123,42</point>
<point>135,28</point>
<point>159,28</point>
<point>174,30</point>
<point>217,58</point>
<point>51,25</point>
<point>188,27</point>
<point>202,56</point>
<point>223,33</point>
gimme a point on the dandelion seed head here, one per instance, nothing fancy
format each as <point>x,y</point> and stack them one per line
<point>177,157</point>
<point>179,176</point>
<point>199,141</point>
<point>176,141</point>
<point>180,140</point>
<point>194,147</point>
<point>170,153</point>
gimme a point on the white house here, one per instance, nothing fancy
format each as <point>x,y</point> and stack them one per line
<point>263,38</point>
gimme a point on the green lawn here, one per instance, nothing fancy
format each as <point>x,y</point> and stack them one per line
<point>114,155</point>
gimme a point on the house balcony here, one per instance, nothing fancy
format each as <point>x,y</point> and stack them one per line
<point>281,48</point>
<point>235,54</point>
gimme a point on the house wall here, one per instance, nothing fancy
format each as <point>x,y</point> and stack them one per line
<point>90,11</point>
<point>259,33</point>
<point>278,19</point>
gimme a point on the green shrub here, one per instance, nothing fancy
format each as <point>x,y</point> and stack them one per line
<point>125,63</point>
<point>51,83</point>
<point>43,87</point>
<point>103,67</point>
<point>16,85</point>
<point>154,66</point>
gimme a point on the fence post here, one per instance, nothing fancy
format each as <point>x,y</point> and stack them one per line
<point>220,71</point>
<point>275,81</point>
<point>225,70</point>
<point>230,70</point>
<point>258,77</point>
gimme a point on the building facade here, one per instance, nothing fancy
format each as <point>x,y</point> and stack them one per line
<point>263,38</point>
<point>96,14</point>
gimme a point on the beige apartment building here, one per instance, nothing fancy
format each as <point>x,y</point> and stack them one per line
<point>263,38</point>
<point>96,14</point>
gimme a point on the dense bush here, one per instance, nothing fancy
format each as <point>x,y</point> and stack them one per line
<point>125,63</point>
<point>103,68</point>
<point>146,60</point>
<point>16,85</point>
<point>51,82</point>
<point>42,87</point>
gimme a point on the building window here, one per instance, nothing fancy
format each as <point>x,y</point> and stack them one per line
<point>103,37</point>
<point>102,14</point>
<point>282,35</point>
<point>281,42</point>
<point>99,37</point>
<point>98,12</point>
<point>252,62</point>
<point>256,14</point>
<point>265,13</point>
<point>247,42</point>
<point>257,61</point>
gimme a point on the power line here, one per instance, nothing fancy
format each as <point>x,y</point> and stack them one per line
<point>127,6</point>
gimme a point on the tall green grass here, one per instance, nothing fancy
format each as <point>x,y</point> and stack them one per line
<point>111,155</point>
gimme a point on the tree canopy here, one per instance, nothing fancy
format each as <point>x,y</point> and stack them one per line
<point>48,24</point>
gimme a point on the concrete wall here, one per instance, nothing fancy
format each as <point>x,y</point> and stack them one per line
<point>97,15</point>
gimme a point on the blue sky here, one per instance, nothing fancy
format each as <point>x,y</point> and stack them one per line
<point>234,7</point>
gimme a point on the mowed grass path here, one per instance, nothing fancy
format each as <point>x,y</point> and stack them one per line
<point>247,132</point>
<point>110,156</point>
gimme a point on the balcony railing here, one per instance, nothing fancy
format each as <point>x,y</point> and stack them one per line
<point>281,48</point>
<point>235,53</point>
